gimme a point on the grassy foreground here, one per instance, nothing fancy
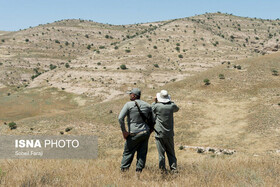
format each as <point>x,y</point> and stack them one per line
<point>194,170</point>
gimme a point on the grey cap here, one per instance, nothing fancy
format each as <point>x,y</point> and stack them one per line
<point>135,91</point>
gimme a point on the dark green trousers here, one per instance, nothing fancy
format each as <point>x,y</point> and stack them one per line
<point>139,144</point>
<point>166,145</point>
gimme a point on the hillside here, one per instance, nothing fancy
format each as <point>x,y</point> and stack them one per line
<point>84,57</point>
<point>240,112</point>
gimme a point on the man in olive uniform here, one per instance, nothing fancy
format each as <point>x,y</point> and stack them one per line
<point>138,133</point>
<point>163,109</point>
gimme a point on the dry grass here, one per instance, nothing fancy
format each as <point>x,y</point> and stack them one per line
<point>194,170</point>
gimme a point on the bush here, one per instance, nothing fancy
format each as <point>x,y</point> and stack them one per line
<point>206,81</point>
<point>101,47</point>
<point>177,49</point>
<point>128,50</point>
<point>149,56</point>
<point>98,63</point>
<point>3,40</point>
<point>123,67</point>
<point>180,56</point>
<point>68,129</point>
<point>238,67</point>
<point>67,65</point>
<point>26,40</point>
<point>274,72</point>
<point>221,76</point>
<point>155,47</point>
<point>156,65</point>
<point>34,76</point>
<point>1,63</point>
<point>12,125</point>
<point>116,47</point>
<point>56,41</point>
<point>178,44</point>
<point>52,66</point>
<point>88,47</point>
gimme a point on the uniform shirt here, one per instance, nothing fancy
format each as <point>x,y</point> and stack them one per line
<point>135,122</point>
<point>163,114</point>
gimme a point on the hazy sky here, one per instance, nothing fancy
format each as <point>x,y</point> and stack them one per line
<point>21,14</point>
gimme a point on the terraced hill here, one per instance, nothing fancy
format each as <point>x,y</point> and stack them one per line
<point>84,57</point>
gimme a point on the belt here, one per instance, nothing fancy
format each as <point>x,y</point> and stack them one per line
<point>141,132</point>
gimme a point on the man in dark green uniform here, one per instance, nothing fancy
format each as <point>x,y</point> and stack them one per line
<point>138,133</point>
<point>163,109</point>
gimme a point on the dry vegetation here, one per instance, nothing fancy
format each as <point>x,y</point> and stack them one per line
<point>239,108</point>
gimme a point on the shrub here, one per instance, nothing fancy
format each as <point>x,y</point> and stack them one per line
<point>68,129</point>
<point>155,47</point>
<point>128,50</point>
<point>180,56</point>
<point>56,41</point>
<point>66,43</point>
<point>181,147</point>
<point>3,40</point>
<point>36,75</point>
<point>12,125</point>
<point>116,47</point>
<point>177,49</point>
<point>238,67</point>
<point>88,47</point>
<point>221,76</point>
<point>98,63</point>
<point>177,44</point>
<point>101,47</point>
<point>156,65</point>
<point>26,40</point>
<point>52,66</point>
<point>86,36</point>
<point>149,56</point>
<point>274,72</point>
<point>123,67</point>
<point>1,63</point>
<point>67,65</point>
<point>206,81</point>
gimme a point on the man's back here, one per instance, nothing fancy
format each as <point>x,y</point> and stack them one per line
<point>134,119</point>
<point>163,113</point>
